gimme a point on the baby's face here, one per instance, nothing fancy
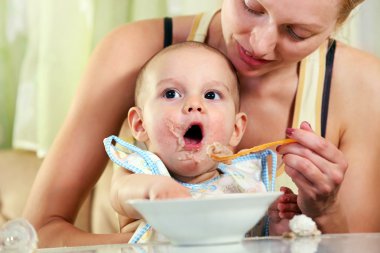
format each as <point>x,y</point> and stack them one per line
<point>189,102</point>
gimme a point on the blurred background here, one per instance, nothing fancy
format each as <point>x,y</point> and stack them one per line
<point>45,44</point>
<point>44,47</point>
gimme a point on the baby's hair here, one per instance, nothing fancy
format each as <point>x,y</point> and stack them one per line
<point>194,44</point>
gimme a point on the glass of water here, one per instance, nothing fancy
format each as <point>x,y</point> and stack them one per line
<point>18,236</point>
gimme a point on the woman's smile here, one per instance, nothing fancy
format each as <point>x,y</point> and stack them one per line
<point>249,58</point>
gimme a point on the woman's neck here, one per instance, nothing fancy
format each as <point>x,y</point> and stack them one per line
<point>280,83</point>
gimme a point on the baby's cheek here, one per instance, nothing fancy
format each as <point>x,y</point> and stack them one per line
<point>164,137</point>
<point>222,130</point>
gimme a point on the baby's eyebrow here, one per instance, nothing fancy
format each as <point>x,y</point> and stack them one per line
<point>219,83</point>
<point>168,80</point>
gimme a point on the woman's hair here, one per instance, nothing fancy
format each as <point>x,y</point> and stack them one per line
<point>346,7</point>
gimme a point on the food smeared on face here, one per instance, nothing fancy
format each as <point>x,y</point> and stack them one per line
<point>190,139</point>
<point>177,130</point>
<point>218,149</point>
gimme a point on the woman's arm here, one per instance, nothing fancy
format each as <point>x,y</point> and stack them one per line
<point>338,176</point>
<point>358,107</point>
<point>77,158</point>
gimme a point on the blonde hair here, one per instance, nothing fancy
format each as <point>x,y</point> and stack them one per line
<point>346,7</point>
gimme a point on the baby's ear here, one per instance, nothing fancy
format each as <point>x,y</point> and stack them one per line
<point>135,121</point>
<point>240,126</point>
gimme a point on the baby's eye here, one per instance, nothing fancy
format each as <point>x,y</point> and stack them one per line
<point>170,93</point>
<point>212,95</point>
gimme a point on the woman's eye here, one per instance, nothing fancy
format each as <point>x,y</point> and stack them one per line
<point>292,34</point>
<point>252,7</point>
<point>212,95</point>
<point>171,94</point>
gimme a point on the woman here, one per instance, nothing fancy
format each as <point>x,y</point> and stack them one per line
<point>273,45</point>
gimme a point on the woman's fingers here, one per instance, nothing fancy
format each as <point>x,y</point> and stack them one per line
<point>310,171</point>
<point>306,126</point>
<point>313,170</point>
<point>315,144</point>
<point>316,166</point>
<point>312,162</point>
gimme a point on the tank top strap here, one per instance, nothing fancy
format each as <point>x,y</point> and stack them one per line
<point>327,85</point>
<point>200,26</point>
<point>312,96</point>
<point>308,105</point>
<point>168,31</point>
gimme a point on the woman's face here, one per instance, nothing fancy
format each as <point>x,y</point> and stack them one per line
<point>263,35</point>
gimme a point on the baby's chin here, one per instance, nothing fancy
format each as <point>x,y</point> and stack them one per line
<point>191,166</point>
<point>194,175</point>
<point>192,156</point>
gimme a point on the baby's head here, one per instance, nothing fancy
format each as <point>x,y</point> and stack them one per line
<point>187,98</point>
<point>141,82</point>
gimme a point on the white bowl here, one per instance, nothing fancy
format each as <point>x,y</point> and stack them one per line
<point>219,219</point>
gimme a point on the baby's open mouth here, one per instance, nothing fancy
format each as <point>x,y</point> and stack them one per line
<point>193,136</point>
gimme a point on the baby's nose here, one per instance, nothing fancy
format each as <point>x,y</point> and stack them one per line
<point>193,105</point>
<point>192,108</point>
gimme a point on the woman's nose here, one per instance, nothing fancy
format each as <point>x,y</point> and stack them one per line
<point>263,39</point>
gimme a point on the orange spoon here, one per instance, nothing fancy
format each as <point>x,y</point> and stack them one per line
<point>227,159</point>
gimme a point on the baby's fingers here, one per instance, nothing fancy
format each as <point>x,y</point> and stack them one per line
<point>289,207</point>
<point>288,198</point>
<point>287,215</point>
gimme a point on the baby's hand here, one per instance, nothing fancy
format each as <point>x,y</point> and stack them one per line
<point>281,211</point>
<point>167,188</point>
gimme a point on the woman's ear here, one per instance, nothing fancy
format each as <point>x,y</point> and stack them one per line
<point>136,124</point>
<point>240,126</point>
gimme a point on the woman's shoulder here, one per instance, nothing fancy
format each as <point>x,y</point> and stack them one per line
<point>355,91</point>
<point>355,85</point>
<point>129,46</point>
<point>150,31</point>
<point>352,62</point>
<point>356,70</point>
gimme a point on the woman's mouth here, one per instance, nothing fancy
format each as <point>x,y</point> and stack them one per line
<point>249,58</point>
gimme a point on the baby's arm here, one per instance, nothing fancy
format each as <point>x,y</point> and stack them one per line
<point>126,186</point>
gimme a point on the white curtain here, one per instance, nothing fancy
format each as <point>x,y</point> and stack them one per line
<point>45,45</point>
<point>361,29</point>
<point>60,37</point>
<point>12,47</point>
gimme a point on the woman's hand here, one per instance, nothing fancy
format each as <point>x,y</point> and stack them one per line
<point>281,211</point>
<point>317,167</point>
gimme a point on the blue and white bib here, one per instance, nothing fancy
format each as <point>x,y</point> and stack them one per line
<point>245,174</point>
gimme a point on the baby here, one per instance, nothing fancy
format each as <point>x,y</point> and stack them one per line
<point>187,99</point>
